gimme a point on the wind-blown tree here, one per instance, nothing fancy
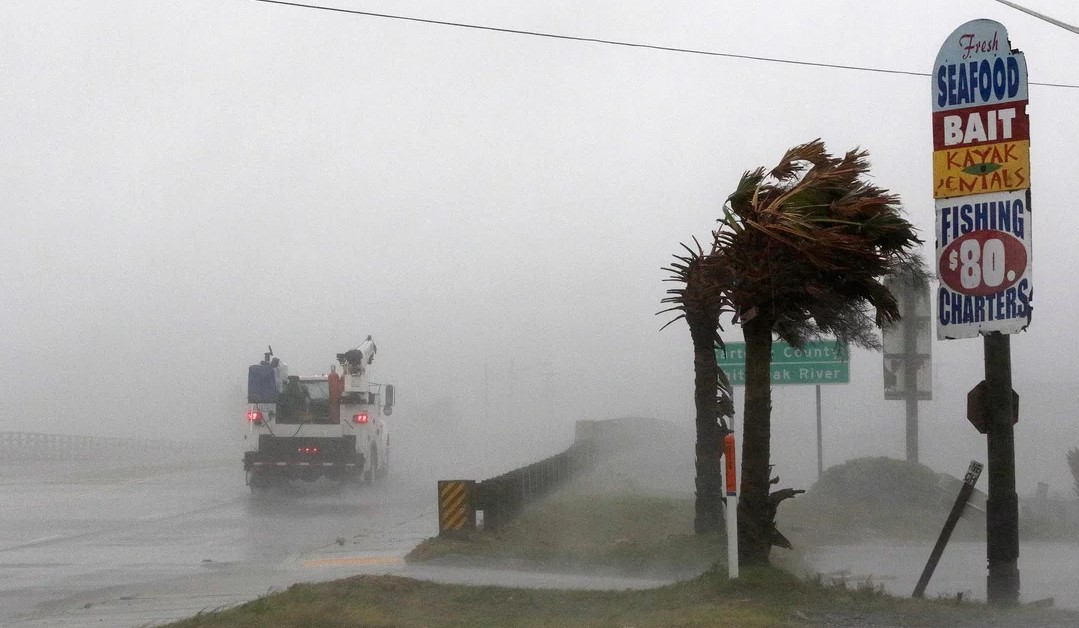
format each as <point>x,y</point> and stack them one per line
<point>803,248</point>
<point>701,300</point>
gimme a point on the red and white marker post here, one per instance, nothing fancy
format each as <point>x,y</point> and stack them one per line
<point>732,507</point>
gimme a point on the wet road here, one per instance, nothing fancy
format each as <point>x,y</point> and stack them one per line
<point>88,543</point>
<point>92,545</point>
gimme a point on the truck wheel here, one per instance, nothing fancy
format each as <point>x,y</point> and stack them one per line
<point>385,471</point>
<point>386,462</point>
<point>372,473</point>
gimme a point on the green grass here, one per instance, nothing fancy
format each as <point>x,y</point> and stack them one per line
<point>761,597</point>
<point>600,533</point>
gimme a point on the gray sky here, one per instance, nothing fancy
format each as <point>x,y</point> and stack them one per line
<point>183,183</point>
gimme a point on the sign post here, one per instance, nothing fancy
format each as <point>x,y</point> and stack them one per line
<point>820,440</point>
<point>969,480</point>
<point>908,349</point>
<point>981,175</point>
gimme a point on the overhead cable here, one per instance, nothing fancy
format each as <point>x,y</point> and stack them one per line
<point>613,42</point>
<point>1041,16</point>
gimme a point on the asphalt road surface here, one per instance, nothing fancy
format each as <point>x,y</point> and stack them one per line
<point>97,544</point>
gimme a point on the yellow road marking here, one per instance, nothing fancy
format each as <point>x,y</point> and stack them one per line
<point>354,560</point>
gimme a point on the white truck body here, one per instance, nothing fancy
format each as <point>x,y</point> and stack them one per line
<point>306,428</point>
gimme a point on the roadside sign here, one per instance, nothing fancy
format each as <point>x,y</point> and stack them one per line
<point>978,407</point>
<point>908,347</point>
<point>981,183</point>
<point>818,362</point>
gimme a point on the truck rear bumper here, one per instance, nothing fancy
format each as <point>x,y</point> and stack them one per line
<point>305,458</point>
<point>250,464</point>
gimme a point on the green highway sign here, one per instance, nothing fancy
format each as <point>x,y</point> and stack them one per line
<point>818,362</point>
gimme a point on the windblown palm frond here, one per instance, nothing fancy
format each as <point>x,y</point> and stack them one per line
<point>701,294</point>
<point>810,241</point>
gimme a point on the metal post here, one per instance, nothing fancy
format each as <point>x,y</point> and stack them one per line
<point>973,471</point>
<point>912,425</point>
<point>820,440</point>
<point>732,506</point>
<point>1002,506</point>
<point>910,373</point>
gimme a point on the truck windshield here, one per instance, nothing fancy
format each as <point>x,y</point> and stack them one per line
<point>305,401</point>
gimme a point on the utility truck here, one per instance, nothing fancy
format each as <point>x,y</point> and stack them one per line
<point>306,428</point>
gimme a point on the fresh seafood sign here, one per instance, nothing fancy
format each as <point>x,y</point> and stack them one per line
<point>981,183</point>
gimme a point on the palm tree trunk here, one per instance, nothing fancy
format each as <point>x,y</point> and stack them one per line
<point>754,515</point>
<point>709,482</point>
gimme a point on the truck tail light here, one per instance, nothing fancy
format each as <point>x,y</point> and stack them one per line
<point>254,416</point>
<point>310,450</point>
<point>360,417</point>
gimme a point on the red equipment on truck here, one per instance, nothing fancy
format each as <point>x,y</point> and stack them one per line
<point>306,428</point>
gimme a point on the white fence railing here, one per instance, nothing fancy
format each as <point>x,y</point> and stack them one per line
<point>26,446</point>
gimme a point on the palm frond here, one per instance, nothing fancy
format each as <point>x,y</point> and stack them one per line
<point>810,234</point>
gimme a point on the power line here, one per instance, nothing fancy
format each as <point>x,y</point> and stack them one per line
<point>1041,16</point>
<point>625,44</point>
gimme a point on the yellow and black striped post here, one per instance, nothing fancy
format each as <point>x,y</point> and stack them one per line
<point>456,511</point>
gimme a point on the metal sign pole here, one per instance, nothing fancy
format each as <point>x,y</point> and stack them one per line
<point>1002,506</point>
<point>973,471</point>
<point>820,442</point>
<point>910,372</point>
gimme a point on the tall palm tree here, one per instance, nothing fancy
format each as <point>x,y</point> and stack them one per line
<point>803,247</point>
<point>700,300</point>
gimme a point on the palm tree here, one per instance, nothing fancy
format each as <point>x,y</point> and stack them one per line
<point>701,300</point>
<point>803,248</point>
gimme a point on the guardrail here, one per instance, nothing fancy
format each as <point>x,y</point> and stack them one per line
<point>33,446</point>
<point>503,497</point>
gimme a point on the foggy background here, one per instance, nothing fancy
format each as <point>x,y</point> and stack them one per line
<point>183,183</point>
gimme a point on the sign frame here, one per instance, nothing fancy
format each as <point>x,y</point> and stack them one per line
<point>981,183</point>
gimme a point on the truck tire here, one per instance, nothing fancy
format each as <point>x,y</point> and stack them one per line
<point>386,462</point>
<point>372,473</point>
<point>384,472</point>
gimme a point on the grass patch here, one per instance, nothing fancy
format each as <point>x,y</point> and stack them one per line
<point>762,597</point>
<point>623,534</point>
